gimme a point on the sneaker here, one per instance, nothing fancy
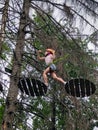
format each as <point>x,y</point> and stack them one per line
<point>65,83</point>
<point>46,84</point>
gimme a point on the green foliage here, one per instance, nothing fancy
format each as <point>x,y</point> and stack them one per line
<point>2,107</point>
<point>72,70</point>
<point>43,109</point>
<point>37,43</point>
<point>21,118</point>
<point>46,24</point>
<point>5,51</point>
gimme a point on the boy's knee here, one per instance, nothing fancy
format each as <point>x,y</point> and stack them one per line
<point>54,77</point>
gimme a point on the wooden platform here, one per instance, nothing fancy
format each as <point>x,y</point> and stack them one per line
<point>32,87</point>
<point>80,87</point>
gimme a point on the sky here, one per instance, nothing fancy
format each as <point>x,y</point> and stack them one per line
<point>95,128</point>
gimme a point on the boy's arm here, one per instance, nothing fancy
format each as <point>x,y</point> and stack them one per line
<point>38,55</point>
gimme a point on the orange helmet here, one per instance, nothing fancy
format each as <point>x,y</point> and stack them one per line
<point>50,50</point>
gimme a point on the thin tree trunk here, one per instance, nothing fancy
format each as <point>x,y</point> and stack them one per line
<point>53,114</point>
<point>11,101</point>
<point>3,23</point>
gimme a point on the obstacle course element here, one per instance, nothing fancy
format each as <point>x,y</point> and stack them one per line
<point>80,87</point>
<point>1,88</point>
<point>8,70</point>
<point>32,87</point>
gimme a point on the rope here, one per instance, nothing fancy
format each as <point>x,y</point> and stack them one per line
<point>61,58</point>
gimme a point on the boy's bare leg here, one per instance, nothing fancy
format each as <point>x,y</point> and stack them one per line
<point>45,76</point>
<point>53,74</point>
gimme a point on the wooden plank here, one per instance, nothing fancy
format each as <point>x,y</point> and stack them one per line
<point>35,87</point>
<point>42,87</point>
<point>30,86</point>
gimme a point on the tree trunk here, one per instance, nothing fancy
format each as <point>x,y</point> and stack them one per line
<point>3,23</point>
<point>11,101</point>
<point>53,113</point>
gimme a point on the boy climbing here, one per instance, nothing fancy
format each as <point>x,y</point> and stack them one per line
<point>51,68</point>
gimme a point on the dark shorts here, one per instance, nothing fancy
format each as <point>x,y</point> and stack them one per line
<point>52,68</point>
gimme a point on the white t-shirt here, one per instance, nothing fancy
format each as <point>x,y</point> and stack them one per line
<point>49,59</point>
